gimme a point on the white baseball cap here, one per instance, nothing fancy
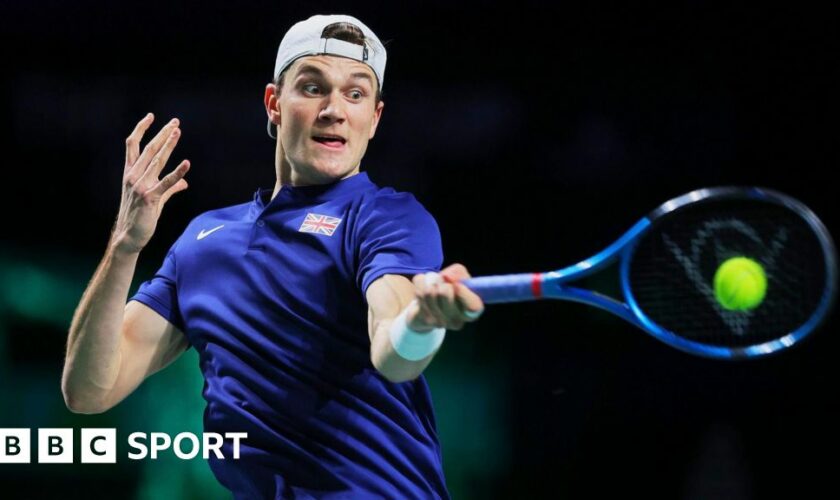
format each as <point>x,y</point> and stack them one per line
<point>305,39</point>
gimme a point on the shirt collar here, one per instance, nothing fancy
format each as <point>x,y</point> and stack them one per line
<point>316,193</point>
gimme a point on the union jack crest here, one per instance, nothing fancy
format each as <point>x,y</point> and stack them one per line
<point>323,224</point>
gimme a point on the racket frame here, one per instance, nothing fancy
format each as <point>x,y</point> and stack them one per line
<point>554,284</point>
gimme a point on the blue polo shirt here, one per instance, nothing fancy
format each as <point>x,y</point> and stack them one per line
<point>271,294</point>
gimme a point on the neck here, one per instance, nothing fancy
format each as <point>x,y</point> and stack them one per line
<point>287,177</point>
<point>282,169</point>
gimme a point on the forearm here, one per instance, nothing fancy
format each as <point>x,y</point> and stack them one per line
<point>93,345</point>
<point>414,309</point>
<point>388,362</point>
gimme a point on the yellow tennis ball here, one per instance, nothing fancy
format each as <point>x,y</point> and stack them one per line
<point>740,284</point>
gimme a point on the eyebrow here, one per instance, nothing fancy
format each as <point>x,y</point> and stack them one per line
<point>308,68</point>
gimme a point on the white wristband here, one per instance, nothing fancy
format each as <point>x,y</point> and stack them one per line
<point>413,345</point>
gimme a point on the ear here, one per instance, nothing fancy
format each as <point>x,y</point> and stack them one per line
<point>272,104</point>
<point>377,114</point>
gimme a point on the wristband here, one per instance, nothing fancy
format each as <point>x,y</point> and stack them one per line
<point>413,345</point>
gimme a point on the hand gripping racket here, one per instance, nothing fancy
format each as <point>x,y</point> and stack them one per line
<point>668,262</point>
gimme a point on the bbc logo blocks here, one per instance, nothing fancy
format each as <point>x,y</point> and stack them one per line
<point>55,446</point>
<point>15,446</point>
<point>99,446</point>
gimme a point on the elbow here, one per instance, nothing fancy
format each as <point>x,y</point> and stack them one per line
<point>398,379</point>
<point>82,405</point>
<point>393,374</point>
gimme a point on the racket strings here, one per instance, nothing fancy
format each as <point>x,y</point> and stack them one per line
<point>671,275</point>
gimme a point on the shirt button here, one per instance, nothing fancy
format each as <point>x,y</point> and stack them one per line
<point>260,223</point>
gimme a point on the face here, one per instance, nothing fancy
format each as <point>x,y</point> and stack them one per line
<point>325,115</point>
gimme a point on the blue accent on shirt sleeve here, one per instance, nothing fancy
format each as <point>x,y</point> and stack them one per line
<point>160,294</point>
<point>397,236</point>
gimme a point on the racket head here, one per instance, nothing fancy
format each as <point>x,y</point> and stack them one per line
<point>667,273</point>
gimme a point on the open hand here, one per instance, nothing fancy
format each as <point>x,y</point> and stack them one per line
<point>144,194</point>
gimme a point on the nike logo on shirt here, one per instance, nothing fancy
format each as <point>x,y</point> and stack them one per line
<point>203,234</point>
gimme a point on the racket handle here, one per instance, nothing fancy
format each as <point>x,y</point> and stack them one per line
<point>506,288</point>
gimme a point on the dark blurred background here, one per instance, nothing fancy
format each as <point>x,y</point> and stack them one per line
<point>535,134</point>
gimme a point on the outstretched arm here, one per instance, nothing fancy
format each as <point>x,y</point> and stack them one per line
<point>112,346</point>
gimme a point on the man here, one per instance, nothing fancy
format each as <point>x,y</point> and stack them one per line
<point>311,336</point>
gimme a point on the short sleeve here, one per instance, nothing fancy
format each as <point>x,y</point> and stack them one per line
<point>160,293</point>
<point>397,236</point>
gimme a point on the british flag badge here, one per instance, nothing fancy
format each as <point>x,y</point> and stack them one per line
<point>322,224</point>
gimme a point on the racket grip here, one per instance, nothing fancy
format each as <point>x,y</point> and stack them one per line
<point>506,288</point>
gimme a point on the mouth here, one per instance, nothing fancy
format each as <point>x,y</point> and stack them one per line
<point>335,142</point>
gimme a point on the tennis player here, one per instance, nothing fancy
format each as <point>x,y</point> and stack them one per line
<point>314,308</point>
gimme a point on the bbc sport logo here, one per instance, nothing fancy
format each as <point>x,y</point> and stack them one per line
<point>99,446</point>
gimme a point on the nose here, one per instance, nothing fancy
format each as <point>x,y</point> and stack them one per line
<point>333,109</point>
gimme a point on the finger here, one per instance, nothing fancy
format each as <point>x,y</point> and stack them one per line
<point>177,188</point>
<point>452,315</point>
<point>469,303</point>
<point>424,282</point>
<point>429,313</point>
<point>168,182</point>
<point>431,282</point>
<point>456,271</point>
<point>151,149</point>
<point>423,317</point>
<point>159,160</point>
<point>417,315</point>
<point>132,143</point>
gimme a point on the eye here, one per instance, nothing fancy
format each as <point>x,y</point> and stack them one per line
<point>311,88</point>
<point>356,94</point>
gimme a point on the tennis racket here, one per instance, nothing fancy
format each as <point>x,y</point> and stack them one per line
<point>667,265</point>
